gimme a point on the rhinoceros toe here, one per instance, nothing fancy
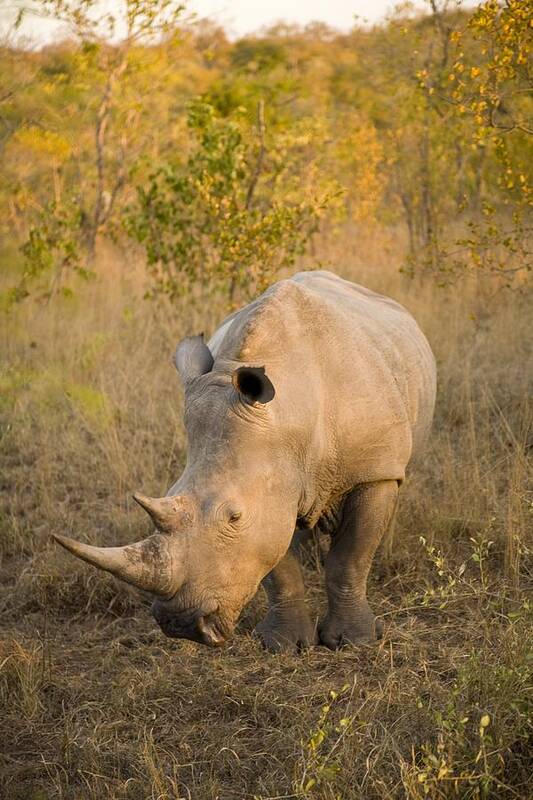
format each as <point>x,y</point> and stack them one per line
<point>338,632</point>
<point>291,632</point>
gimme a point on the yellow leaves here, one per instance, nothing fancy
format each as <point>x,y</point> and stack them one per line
<point>484,723</point>
<point>361,155</point>
<point>43,143</point>
<point>496,84</point>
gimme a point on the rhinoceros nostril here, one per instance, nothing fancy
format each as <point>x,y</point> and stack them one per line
<point>208,632</point>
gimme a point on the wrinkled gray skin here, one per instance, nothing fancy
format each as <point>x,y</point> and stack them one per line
<point>304,409</point>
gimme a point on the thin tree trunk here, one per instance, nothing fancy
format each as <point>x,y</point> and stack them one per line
<point>100,135</point>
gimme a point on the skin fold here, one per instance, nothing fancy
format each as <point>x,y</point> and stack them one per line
<point>304,409</point>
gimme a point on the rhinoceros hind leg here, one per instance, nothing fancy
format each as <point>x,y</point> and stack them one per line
<point>287,625</point>
<point>366,516</point>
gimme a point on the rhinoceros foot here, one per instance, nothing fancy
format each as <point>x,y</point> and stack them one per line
<point>287,630</point>
<point>350,630</point>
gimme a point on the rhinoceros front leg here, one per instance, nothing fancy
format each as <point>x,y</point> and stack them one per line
<point>367,513</point>
<point>287,625</point>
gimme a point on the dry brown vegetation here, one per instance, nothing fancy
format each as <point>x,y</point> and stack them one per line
<point>95,703</point>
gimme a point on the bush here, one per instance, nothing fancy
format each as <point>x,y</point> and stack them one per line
<point>235,211</point>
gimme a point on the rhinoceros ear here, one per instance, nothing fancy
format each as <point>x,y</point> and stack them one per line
<point>193,358</point>
<point>253,384</point>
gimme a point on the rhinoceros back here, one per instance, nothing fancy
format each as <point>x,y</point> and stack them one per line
<point>354,374</point>
<point>385,330</point>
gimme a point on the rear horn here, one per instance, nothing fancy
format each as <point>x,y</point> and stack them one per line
<point>167,513</point>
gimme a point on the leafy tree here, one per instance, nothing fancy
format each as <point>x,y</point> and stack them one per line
<point>53,247</point>
<point>62,239</point>
<point>488,89</point>
<point>424,119</point>
<point>234,211</point>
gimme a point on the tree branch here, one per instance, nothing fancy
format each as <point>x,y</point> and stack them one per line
<point>260,156</point>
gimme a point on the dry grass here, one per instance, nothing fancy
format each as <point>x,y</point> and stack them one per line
<point>95,703</point>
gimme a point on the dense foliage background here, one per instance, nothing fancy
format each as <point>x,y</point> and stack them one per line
<point>223,159</point>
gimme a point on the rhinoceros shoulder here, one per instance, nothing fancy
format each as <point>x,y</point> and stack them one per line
<point>261,322</point>
<point>360,299</point>
<point>314,305</point>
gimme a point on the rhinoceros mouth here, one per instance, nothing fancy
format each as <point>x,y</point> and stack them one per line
<point>196,625</point>
<point>211,630</point>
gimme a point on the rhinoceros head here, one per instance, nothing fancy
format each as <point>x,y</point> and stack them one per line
<point>230,517</point>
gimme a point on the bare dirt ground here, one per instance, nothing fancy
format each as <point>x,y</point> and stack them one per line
<point>96,703</point>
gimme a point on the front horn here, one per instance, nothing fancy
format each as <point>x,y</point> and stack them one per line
<point>146,565</point>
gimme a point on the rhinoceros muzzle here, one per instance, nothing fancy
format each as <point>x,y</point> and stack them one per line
<point>193,624</point>
<point>151,565</point>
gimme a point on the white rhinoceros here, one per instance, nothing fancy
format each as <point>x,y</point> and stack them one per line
<point>304,409</point>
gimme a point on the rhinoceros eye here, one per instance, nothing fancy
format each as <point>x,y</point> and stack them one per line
<point>228,515</point>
